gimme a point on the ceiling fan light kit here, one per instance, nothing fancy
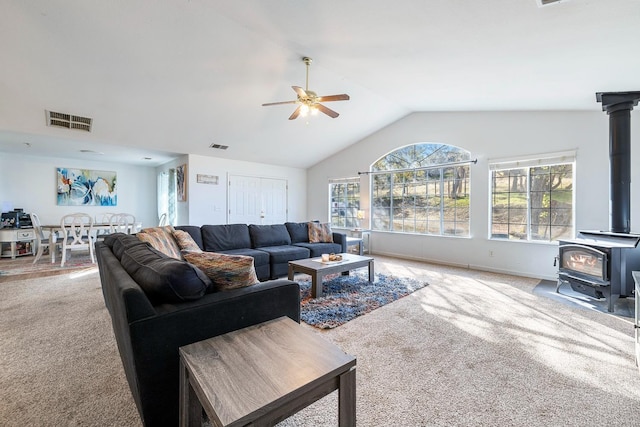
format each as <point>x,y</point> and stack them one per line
<point>308,101</point>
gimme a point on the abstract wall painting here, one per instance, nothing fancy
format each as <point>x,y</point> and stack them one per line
<point>84,187</point>
<point>181,183</point>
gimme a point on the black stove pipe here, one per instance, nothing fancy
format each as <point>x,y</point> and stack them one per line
<point>620,170</point>
<point>618,106</point>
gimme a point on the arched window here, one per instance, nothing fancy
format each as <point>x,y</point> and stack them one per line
<point>422,188</point>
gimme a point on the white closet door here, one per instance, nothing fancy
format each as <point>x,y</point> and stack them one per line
<point>256,200</point>
<point>274,200</point>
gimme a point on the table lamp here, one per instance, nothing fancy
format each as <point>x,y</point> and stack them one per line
<point>360,216</point>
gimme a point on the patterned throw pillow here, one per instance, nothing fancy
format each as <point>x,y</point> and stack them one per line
<point>161,238</point>
<point>320,233</point>
<point>185,241</point>
<point>225,271</point>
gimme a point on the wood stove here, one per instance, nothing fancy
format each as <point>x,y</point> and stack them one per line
<point>600,263</point>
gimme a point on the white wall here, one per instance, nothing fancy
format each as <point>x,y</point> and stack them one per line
<point>489,135</point>
<point>29,182</point>
<point>207,203</point>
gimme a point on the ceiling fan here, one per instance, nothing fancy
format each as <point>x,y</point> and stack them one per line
<point>309,101</point>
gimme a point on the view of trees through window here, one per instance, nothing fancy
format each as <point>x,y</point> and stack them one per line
<point>422,188</point>
<point>532,203</point>
<point>345,203</point>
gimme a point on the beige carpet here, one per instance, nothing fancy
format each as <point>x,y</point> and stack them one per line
<point>59,365</point>
<point>471,349</point>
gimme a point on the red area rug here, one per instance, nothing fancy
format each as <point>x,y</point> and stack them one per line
<point>23,267</point>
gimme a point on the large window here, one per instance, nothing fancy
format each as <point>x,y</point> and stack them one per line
<point>167,196</point>
<point>422,188</point>
<point>533,199</point>
<point>344,202</point>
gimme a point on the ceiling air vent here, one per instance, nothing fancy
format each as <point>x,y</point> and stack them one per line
<point>68,121</point>
<point>546,2</point>
<point>219,147</point>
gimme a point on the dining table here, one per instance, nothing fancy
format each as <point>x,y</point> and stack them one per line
<point>99,229</point>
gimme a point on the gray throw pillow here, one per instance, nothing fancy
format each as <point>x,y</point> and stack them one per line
<point>164,279</point>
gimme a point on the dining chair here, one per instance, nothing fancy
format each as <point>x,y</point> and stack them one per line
<point>77,234</point>
<point>103,218</point>
<point>122,223</point>
<point>163,220</point>
<point>43,242</point>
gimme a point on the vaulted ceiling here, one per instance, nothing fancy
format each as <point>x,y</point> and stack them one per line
<point>163,78</point>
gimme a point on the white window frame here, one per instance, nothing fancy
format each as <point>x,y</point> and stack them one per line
<point>528,162</point>
<point>444,229</point>
<point>355,221</point>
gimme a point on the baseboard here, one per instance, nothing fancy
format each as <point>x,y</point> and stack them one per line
<point>468,266</point>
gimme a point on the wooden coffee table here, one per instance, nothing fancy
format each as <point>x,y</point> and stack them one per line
<point>318,269</point>
<point>262,374</point>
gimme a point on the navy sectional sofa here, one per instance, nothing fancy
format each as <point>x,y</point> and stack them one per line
<point>271,246</point>
<point>158,304</point>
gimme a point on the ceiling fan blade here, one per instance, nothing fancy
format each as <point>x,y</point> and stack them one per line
<point>296,113</point>
<point>301,92</point>
<point>279,103</point>
<point>341,97</point>
<point>328,111</point>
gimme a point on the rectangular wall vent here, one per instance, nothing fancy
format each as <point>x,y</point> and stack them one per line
<point>546,2</point>
<point>219,147</point>
<point>68,121</point>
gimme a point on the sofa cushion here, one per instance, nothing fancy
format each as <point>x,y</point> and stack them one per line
<point>260,260</point>
<point>283,254</point>
<point>185,241</point>
<point>162,278</point>
<point>298,231</point>
<point>225,237</point>
<point>225,271</point>
<point>194,232</point>
<point>111,239</point>
<point>269,235</point>
<point>320,233</point>
<point>317,249</point>
<point>161,238</point>
<point>118,242</point>
<point>259,257</point>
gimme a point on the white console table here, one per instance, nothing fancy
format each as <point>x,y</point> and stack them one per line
<point>20,240</point>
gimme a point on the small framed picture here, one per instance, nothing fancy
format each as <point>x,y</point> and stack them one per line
<point>207,179</point>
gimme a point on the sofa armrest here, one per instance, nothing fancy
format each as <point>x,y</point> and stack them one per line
<point>341,239</point>
<point>155,341</point>
<point>280,296</point>
<point>123,297</point>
